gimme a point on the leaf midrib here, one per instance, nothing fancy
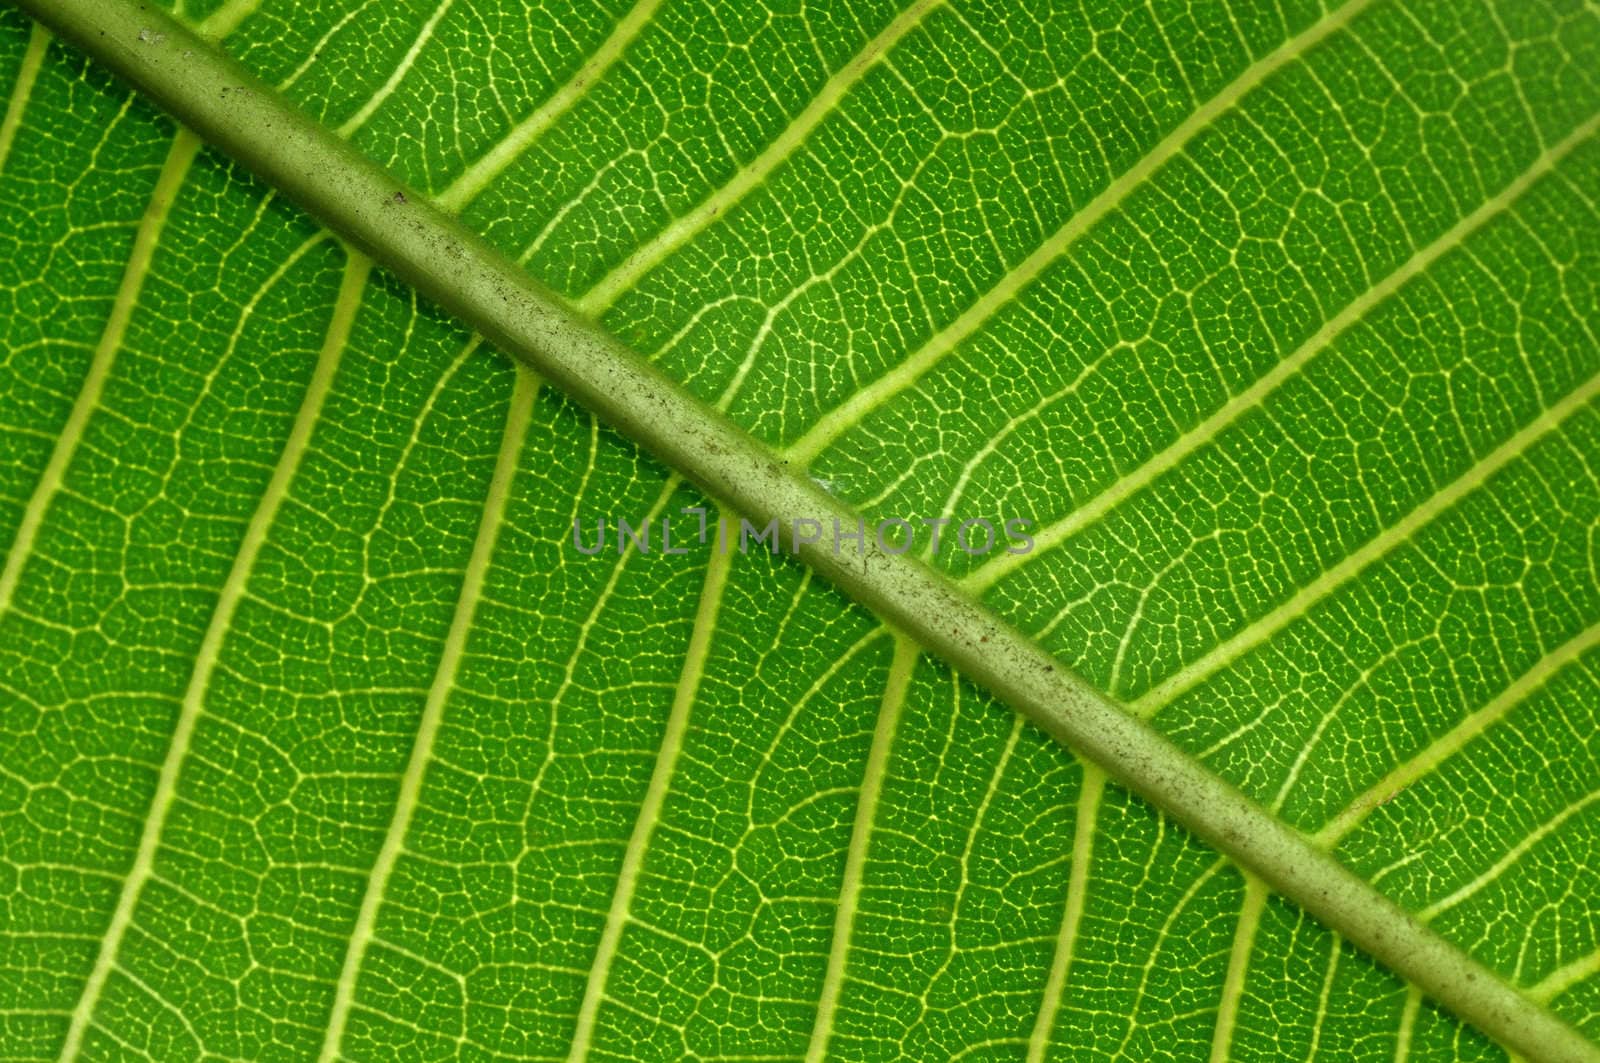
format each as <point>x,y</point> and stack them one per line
<point>498,299</point>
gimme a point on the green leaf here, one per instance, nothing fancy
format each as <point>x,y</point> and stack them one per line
<point>320,737</point>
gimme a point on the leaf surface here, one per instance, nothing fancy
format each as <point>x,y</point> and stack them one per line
<point>320,738</point>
